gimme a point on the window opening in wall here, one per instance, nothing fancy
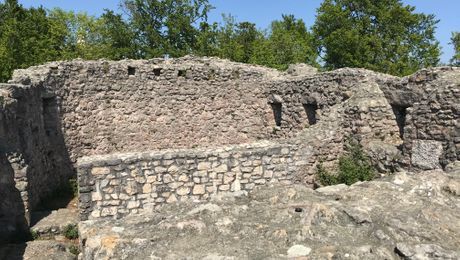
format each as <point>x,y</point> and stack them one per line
<point>131,70</point>
<point>157,71</point>
<point>400,114</point>
<point>310,110</point>
<point>50,115</point>
<point>277,112</point>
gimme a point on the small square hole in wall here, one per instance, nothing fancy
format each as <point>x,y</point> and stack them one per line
<point>131,70</point>
<point>157,71</point>
<point>181,73</point>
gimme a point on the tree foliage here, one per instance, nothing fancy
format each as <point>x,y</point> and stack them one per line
<point>455,41</point>
<point>26,38</point>
<point>288,42</point>
<point>382,35</point>
<point>166,26</point>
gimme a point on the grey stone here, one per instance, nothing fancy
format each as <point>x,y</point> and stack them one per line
<point>426,154</point>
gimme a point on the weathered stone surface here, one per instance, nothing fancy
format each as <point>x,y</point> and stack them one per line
<point>53,223</point>
<point>370,220</point>
<point>426,154</point>
<point>38,250</point>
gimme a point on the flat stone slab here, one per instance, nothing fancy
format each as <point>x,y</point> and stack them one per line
<point>52,223</point>
<point>411,216</point>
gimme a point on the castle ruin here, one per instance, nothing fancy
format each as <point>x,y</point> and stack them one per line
<point>142,134</point>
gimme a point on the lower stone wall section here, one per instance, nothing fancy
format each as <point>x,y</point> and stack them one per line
<point>120,184</point>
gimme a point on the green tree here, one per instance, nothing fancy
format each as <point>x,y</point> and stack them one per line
<point>236,40</point>
<point>166,26</point>
<point>206,40</point>
<point>89,37</point>
<point>26,38</point>
<point>383,35</point>
<point>455,41</point>
<point>117,37</point>
<point>288,42</point>
<point>79,32</point>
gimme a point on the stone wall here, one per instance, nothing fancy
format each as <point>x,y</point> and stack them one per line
<point>429,100</point>
<point>32,152</point>
<point>120,184</point>
<point>56,113</point>
<point>130,106</point>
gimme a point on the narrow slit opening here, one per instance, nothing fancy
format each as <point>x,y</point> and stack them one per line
<point>277,113</point>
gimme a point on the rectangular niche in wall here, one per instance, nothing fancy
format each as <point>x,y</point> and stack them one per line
<point>157,71</point>
<point>50,115</point>
<point>400,114</point>
<point>277,112</point>
<point>310,110</point>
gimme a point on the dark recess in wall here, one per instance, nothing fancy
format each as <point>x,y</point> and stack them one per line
<point>400,114</point>
<point>310,110</point>
<point>277,112</point>
<point>131,71</point>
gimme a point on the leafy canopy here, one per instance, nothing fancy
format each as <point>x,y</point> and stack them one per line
<point>166,26</point>
<point>381,35</point>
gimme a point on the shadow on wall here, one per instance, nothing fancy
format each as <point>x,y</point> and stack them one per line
<point>34,161</point>
<point>13,224</point>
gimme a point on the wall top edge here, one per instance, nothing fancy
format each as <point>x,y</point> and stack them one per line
<point>127,157</point>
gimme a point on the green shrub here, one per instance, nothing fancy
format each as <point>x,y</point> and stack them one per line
<point>324,177</point>
<point>71,231</point>
<point>73,186</point>
<point>73,249</point>
<point>354,166</point>
<point>34,235</point>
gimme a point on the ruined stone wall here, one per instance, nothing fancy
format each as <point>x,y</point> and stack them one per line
<point>429,101</point>
<point>120,184</point>
<point>12,216</point>
<point>305,99</point>
<point>128,106</point>
<point>67,110</point>
<point>32,152</point>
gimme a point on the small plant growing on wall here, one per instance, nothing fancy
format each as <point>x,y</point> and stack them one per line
<point>73,249</point>
<point>70,231</point>
<point>34,235</point>
<point>353,166</point>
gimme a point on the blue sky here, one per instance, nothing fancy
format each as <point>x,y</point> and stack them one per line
<point>262,12</point>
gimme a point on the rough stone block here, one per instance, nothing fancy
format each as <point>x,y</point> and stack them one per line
<point>426,154</point>
<point>100,171</point>
<point>199,189</point>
